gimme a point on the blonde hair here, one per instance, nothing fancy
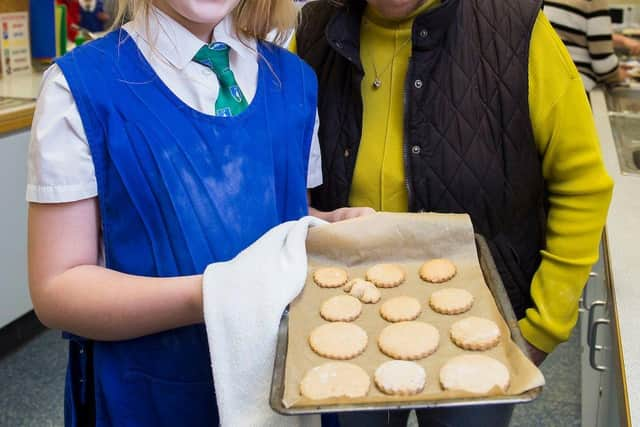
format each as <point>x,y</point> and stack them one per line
<point>251,18</point>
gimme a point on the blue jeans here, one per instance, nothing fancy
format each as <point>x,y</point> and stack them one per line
<point>464,416</point>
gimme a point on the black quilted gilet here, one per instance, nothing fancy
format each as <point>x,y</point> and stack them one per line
<point>469,145</point>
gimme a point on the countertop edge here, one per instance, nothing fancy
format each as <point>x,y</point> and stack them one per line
<point>623,233</point>
<point>17,119</point>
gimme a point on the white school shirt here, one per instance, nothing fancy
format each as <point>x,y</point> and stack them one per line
<point>60,167</point>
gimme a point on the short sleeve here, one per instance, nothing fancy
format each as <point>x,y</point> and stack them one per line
<point>60,167</point>
<point>314,174</point>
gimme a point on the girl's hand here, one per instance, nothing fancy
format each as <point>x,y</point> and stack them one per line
<point>341,214</point>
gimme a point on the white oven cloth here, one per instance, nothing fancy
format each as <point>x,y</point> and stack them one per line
<point>243,302</point>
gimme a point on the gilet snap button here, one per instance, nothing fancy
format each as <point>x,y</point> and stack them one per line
<point>416,149</point>
<point>424,33</point>
<point>347,152</point>
<point>418,84</point>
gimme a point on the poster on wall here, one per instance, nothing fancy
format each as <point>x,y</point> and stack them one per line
<point>15,51</point>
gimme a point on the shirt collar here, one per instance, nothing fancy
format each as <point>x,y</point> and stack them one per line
<point>225,32</point>
<point>177,45</point>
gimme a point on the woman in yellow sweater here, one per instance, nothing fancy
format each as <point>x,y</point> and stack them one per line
<point>464,106</point>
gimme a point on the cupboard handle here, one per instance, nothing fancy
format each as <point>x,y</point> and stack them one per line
<point>592,315</point>
<point>583,304</point>
<point>596,348</point>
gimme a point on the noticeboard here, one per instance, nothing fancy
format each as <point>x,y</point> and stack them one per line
<point>15,52</point>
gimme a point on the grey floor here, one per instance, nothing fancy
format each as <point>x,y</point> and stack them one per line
<point>32,383</point>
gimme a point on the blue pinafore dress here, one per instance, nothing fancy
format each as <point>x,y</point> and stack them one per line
<point>177,189</point>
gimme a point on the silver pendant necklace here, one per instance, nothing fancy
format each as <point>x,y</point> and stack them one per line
<point>377,81</point>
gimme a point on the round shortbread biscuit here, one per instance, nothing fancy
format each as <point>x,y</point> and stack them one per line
<point>451,301</point>
<point>409,340</point>
<point>400,378</point>
<point>437,270</point>
<point>475,333</point>
<point>385,275</point>
<point>400,309</point>
<point>474,373</point>
<point>335,380</point>
<point>330,277</point>
<point>338,340</point>
<point>341,308</point>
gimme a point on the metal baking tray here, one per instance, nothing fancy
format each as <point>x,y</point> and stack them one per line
<point>493,280</point>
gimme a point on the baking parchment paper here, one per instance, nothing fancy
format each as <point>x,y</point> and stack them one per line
<point>408,240</point>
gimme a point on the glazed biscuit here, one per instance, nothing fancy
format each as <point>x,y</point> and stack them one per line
<point>400,378</point>
<point>335,380</point>
<point>474,373</point>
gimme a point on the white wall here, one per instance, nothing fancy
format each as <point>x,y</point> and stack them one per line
<point>14,293</point>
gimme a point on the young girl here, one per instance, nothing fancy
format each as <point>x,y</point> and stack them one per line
<point>167,145</point>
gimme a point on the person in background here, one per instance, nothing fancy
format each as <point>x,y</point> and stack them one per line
<point>160,148</point>
<point>73,17</point>
<point>629,44</point>
<point>464,106</point>
<point>93,17</point>
<point>585,28</point>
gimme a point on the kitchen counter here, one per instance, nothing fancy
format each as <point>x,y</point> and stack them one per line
<point>17,105</point>
<point>623,239</point>
<point>17,101</point>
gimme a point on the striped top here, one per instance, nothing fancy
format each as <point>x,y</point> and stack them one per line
<point>585,28</point>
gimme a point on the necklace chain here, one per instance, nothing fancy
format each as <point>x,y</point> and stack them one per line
<point>377,83</point>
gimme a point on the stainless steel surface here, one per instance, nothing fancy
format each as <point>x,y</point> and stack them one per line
<point>499,292</point>
<point>592,314</point>
<point>623,100</point>
<point>595,348</point>
<point>624,115</point>
<point>626,135</point>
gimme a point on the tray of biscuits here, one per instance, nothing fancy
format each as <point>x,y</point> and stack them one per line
<point>400,311</point>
